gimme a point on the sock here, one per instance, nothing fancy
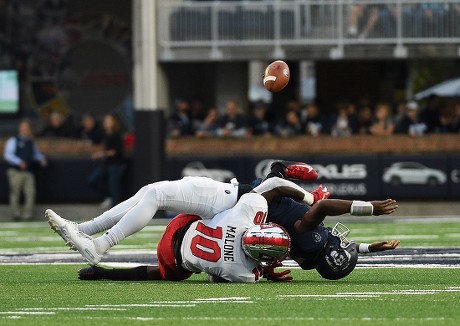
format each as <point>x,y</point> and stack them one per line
<point>96,225</point>
<point>109,239</point>
<point>277,170</point>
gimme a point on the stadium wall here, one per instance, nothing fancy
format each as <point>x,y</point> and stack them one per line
<point>353,172</point>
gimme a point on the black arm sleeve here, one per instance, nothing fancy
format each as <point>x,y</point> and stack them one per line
<point>115,274</point>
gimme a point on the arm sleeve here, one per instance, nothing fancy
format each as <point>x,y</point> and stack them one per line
<point>9,152</point>
<point>38,156</point>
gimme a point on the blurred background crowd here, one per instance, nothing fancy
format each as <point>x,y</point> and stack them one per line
<point>191,118</point>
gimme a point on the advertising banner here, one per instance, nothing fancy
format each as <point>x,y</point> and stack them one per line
<point>416,176</point>
<point>454,176</point>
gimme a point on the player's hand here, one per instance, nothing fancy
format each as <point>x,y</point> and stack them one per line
<point>384,207</point>
<point>90,273</point>
<point>270,274</point>
<point>383,245</point>
<point>320,193</point>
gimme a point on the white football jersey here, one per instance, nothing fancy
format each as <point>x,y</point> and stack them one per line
<point>214,246</point>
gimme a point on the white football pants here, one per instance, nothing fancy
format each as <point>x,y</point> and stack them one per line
<point>192,195</point>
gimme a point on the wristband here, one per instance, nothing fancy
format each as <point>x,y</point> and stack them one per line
<point>308,198</point>
<point>363,248</point>
<point>361,208</point>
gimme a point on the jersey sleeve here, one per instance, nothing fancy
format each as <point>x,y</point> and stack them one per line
<point>251,209</point>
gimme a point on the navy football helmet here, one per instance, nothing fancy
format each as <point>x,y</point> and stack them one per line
<point>339,256</point>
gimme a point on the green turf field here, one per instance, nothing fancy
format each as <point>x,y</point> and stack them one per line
<point>52,294</point>
<point>37,237</point>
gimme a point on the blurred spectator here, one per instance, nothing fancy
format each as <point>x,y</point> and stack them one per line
<point>430,19</point>
<point>59,126</point>
<point>363,14</point>
<point>365,120</point>
<point>293,105</point>
<point>20,153</point>
<point>90,130</point>
<point>258,124</point>
<point>454,14</point>
<point>410,124</point>
<point>290,126</point>
<point>209,125</point>
<point>455,123</point>
<point>400,112</point>
<point>314,123</point>
<point>181,124</point>
<point>446,117</point>
<point>232,123</point>
<point>374,19</point>
<point>383,124</point>
<point>107,176</point>
<point>431,113</point>
<point>197,112</point>
<point>343,123</point>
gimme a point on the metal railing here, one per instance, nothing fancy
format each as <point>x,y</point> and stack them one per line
<point>338,23</point>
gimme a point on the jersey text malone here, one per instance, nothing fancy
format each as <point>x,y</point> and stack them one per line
<point>229,243</point>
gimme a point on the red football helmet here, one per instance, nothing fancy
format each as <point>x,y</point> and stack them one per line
<point>266,243</point>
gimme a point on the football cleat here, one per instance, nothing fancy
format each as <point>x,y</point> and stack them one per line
<point>301,171</point>
<point>320,193</point>
<point>60,225</point>
<point>84,244</point>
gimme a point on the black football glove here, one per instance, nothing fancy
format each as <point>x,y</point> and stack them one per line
<point>91,273</point>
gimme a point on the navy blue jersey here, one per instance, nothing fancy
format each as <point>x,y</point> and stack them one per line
<point>286,212</point>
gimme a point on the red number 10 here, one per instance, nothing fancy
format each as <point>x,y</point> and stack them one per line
<point>205,248</point>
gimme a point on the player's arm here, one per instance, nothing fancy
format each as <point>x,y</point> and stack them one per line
<point>278,187</point>
<point>217,279</point>
<point>141,273</point>
<point>334,207</point>
<point>282,276</point>
<point>364,248</point>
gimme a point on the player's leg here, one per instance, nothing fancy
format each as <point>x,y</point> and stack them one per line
<point>199,196</point>
<point>29,195</point>
<point>14,180</point>
<point>111,217</point>
<point>98,224</point>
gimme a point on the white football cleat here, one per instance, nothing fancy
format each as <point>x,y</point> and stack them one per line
<point>73,238</point>
<point>84,244</point>
<point>60,225</point>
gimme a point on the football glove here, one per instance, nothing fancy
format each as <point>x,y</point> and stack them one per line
<point>270,274</point>
<point>320,193</point>
<point>90,273</point>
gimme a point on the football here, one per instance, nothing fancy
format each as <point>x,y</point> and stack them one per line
<point>276,76</point>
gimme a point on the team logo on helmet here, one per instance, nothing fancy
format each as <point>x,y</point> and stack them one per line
<point>266,242</point>
<point>317,237</point>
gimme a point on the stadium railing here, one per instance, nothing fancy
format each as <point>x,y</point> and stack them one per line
<point>223,25</point>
